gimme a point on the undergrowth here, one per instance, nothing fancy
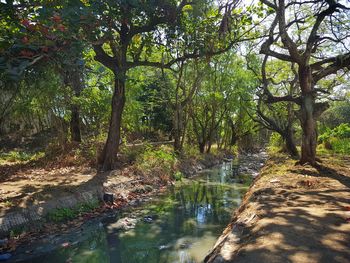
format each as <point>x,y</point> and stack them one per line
<point>66,214</point>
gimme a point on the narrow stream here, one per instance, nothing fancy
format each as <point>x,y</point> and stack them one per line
<point>179,226</point>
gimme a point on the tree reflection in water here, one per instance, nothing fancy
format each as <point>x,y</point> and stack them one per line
<point>187,221</point>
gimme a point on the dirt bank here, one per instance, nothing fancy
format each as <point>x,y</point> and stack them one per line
<point>128,185</point>
<point>291,214</point>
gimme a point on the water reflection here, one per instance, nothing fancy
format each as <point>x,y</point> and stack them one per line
<point>183,225</point>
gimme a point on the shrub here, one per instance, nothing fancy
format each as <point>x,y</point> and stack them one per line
<point>66,214</point>
<point>20,156</point>
<point>337,139</point>
<point>342,132</point>
<point>160,161</point>
<point>276,140</point>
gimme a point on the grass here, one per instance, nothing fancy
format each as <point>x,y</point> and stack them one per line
<point>19,156</point>
<point>65,214</point>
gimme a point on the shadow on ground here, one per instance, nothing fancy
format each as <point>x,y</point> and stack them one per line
<point>302,218</point>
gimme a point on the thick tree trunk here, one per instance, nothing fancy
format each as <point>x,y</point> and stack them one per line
<point>307,118</point>
<point>108,156</point>
<point>308,125</point>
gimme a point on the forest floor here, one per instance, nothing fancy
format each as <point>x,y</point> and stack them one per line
<point>292,214</point>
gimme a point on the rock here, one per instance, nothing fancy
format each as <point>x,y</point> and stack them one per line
<point>148,188</point>
<point>163,247</point>
<point>108,197</point>
<point>3,241</point>
<point>139,189</point>
<point>124,224</point>
<point>185,245</point>
<point>148,219</point>
<point>275,181</point>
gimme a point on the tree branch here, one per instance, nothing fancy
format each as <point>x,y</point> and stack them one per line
<point>102,57</point>
<point>339,63</point>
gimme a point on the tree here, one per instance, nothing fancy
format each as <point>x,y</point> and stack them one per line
<point>154,98</point>
<point>301,33</point>
<point>187,84</point>
<point>35,34</point>
<point>218,109</point>
<point>131,32</point>
<point>279,117</point>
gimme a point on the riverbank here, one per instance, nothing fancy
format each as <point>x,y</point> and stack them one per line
<point>44,201</point>
<point>291,214</point>
<point>179,225</point>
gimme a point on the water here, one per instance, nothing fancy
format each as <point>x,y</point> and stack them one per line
<point>179,226</point>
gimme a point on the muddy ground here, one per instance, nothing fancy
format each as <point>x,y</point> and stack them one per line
<point>292,214</point>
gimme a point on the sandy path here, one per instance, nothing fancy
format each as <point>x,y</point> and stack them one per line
<point>292,214</point>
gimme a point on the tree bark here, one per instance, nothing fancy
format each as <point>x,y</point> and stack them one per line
<point>208,147</point>
<point>289,132</point>
<point>290,143</point>
<point>108,156</point>
<point>75,124</point>
<point>307,119</point>
<point>75,82</point>
<point>201,146</point>
<point>177,128</point>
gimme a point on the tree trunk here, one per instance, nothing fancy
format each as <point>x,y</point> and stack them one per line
<point>308,125</point>
<point>289,133</point>
<point>234,136</point>
<point>201,147</point>
<point>209,146</point>
<point>177,128</point>
<point>76,85</point>
<point>307,119</point>
<point>108,156</point>
<point>75,124</point>
<point>290,143</point>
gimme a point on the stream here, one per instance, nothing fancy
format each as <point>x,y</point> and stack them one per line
<point>181,225</point>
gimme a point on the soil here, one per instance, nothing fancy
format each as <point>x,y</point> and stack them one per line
<point>33,186</point>
<point>291,214</point>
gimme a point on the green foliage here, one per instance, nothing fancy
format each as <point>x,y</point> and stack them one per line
<point>337,114</point>
<point>61,214</point>
<point>20,156</point>
<point>342,132</point>
<point>148,114</point>
<point>153,157</point>
<point>17,231</point>
<point>337,139</point>
<point>157,161</point>
<point>340,145</point>
<point>65,214</point>
<point>178,176</point>
<point>95,108</point>
<point>276,140</point>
